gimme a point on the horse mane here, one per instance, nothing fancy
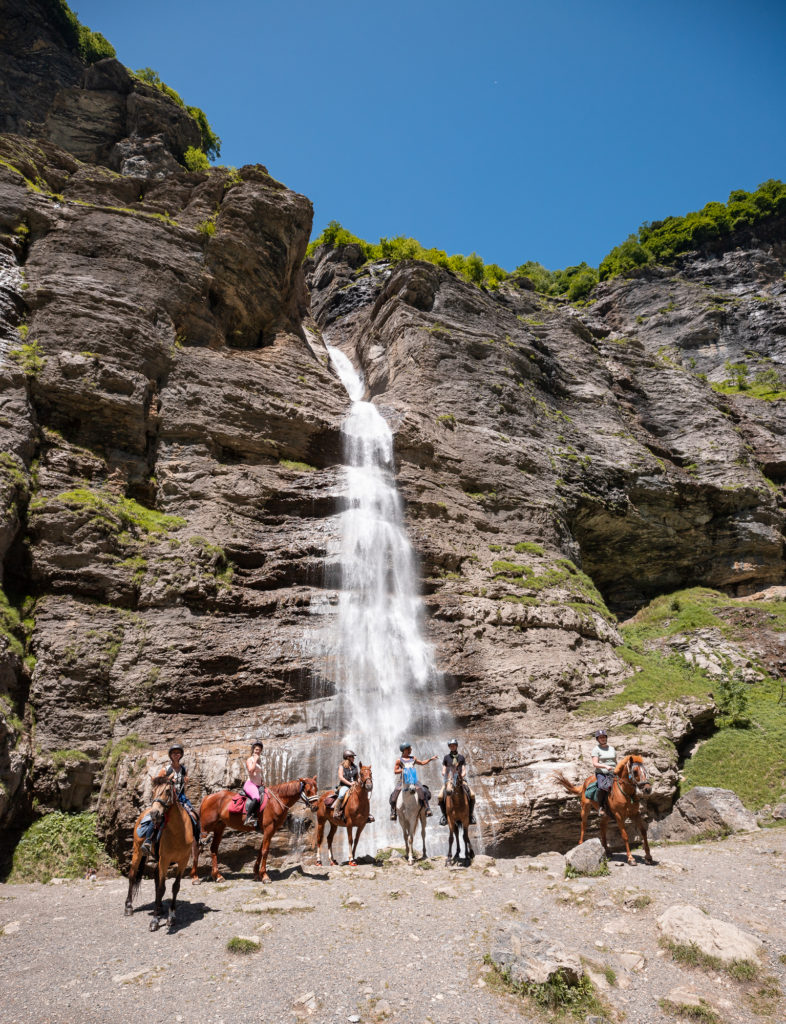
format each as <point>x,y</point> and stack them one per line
<point>286,788</point>
<point>622,764</point>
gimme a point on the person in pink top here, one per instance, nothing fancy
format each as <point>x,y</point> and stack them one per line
<point>253,784</point>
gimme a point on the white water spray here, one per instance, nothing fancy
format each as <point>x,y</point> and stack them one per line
<point>387,681</point>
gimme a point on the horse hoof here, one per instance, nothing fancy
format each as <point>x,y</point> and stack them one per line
<point>648,860</point>
<point>266,879</point>
<point>196,881</point>
<point>218,878</point>
<point>333,863</point>
<point>154,925</point>
<point>129,911</point>
<point>353,863</point>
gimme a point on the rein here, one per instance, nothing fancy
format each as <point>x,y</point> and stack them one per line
<point>631,798</point>
<point>307,800</point>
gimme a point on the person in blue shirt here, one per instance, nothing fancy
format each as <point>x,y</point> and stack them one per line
<point>407,773</point>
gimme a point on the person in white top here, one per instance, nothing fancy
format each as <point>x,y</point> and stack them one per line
<point>604,761</point>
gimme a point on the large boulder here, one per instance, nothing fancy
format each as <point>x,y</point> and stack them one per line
<point>704,811</point>
<point>587,858</point>
<point>686,925</point>
<point>529,959</point>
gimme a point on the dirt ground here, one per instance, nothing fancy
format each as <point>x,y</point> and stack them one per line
<point>397,943</point>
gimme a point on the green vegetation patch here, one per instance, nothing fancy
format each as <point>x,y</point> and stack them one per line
<point>765,384</point>
<point>662,241</point>
<point>744,754</point>
<point>10,625</point>
<point>702,1012</point>
<point>90,46</point>
<point>298,467</point>
<point>29,357</point>
<point>210,142</point>
<point>58,846</point>
<point>114,512</point>
<point>237,944</point>
<point>529,547</point>
<point>63,757</point>
<point>558,995</point>
<point>691,955</point>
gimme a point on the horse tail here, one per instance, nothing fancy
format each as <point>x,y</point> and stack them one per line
<point>566,784</point>
<point>135,877</point>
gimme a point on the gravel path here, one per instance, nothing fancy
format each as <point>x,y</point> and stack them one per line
<point>400,943</point>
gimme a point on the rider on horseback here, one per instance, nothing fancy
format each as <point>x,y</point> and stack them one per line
<point>348,773</point>
<point>252,787</point>
<point>177,773</point>
<point>405,769</point>
<point>454,760</point>
<point>604,761</point>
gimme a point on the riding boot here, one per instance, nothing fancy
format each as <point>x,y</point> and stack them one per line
<point>251,813</point>
<point>147,846</point>
<point>444,819</point>
<point>370,818</point>
<point>429,812</point>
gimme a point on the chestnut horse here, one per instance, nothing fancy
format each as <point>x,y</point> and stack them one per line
<point>215,817</point>
<point>176,845</point>
<point>355,815</point>
<point>622,802</point>
<point>457,813</point>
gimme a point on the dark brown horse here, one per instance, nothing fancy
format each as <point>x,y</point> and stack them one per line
<point>355,815</point>
<point>176,846</point>
<point>215,817</point>
<point>622,802</point>
<point>457,813</point>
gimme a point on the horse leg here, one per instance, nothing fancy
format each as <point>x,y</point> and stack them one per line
<point>320,836</point>
<point>357,838</point>
<point>468,851</point>
<point>195,861</point>
<point>450,842</point>
<point>331,835</point>
<point>624,834</point>
<point>423,832</point>
<point>158,910</point>
<point>641,826</point>
<point>262,857</point>
<point>584,817</point>
<point>170,922</point>
<point>215,874</point>
<point>353,846</point>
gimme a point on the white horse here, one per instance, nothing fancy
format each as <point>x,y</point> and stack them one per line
<point>410,811</point>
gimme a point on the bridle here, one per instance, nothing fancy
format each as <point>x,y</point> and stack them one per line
<point>301,795</point>
<point>638,780</point>
<point>165,804</point>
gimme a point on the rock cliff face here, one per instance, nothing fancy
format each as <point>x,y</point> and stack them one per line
<point>170,469</point>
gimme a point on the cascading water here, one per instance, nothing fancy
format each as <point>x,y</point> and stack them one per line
<point>387,681</point>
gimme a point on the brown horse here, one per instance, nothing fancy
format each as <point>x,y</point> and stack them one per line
<point>457,813</point>
<point>622,802</point>
<point>355,815</point>
<point>176,846</point>
<point>215,817</point>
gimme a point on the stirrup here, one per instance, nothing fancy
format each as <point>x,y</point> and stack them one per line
<point>147,847</point>
<point>429,812</point>
<point>252,822</point>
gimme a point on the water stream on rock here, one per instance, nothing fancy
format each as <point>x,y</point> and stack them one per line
<point>387,681</point>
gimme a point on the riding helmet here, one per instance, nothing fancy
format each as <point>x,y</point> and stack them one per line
<point>257,743</point>
<point>403,746</point>
<point>175,746</point>
<point>599,733</point>
<point>451,742</point>
<point>348,753</point>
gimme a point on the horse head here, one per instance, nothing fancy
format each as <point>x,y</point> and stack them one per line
<point>633,769</point>
<point>308,790</point>
<point>163,797</point>
<point>365,780</point>
<point>453,781</point>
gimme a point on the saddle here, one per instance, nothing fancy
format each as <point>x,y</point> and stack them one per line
<point>238,804</point>
<point>330,800</point>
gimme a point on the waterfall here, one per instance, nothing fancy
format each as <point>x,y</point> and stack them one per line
<point>387,681</point>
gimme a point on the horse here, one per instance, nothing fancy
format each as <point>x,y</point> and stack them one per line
<point>215,817</point>
<point>622,802</point>
<point>457,813</point>
<point>176,845</point>
<point>410,811</point>
<point>356,810</point>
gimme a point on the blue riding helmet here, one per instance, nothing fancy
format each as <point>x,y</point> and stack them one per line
<point>404,746</point>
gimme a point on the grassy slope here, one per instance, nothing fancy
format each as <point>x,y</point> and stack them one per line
<point>749,760</point>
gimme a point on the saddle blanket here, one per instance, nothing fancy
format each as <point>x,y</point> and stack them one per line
<point>238,805</point>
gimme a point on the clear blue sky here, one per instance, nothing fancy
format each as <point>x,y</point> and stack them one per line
<point>522,130</point>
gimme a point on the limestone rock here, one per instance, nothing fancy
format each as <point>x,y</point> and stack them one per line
<point>684,924</point>
<point>588,858</point>
<point>704,810</point>
<point>530,959</point>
